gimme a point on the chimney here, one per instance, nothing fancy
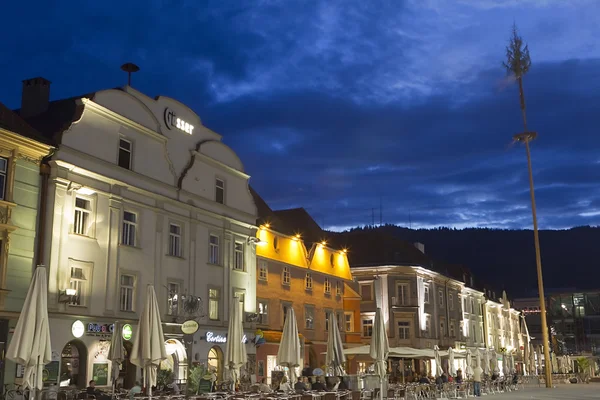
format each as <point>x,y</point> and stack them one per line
<point>420,246</point>
<point>35,97</point>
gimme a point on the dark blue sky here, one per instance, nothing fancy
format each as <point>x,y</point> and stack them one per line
<point>336,105</point>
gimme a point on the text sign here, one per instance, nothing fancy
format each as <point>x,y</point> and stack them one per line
<point>212,337</point>
<point>173,121</point>
<point>189,327</point>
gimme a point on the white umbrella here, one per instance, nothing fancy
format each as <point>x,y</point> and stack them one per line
<point>438,361</point>
<point>451,366</point>
<point>469,361</point>
<point>505,370</point>
<point>335,357</point>
<point>380,348</point>
<point>486,361</point>
<point>30,344</point>
<point>495,362</point>
<point>289,346</point>
<point>569,363</point>
<point>554,363</point>
<point>235,350</point>
<point>149,343</point>
<point>116,353</point>
<point>532,369</point>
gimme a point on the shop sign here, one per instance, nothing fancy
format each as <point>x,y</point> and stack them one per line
<point>190,327</point>
<point>77,329</point>
<point>94,329</point>
<point>172,121</point>
<point>216,338</point>
<point>127,332</point>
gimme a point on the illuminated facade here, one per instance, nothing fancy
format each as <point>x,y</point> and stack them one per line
<point>20,187</point>
<point>140,193</point>
<point>302,271</point>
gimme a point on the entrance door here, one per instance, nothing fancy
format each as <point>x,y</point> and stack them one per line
<point>73,364</point>
<point>128,370</point>
<point>215,361</point>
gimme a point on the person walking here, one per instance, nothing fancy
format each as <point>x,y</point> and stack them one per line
<point>477,374</point>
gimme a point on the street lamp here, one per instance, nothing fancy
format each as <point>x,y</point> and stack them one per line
<point>517,65</point>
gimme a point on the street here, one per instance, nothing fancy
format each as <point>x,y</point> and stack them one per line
<point>561,392</point>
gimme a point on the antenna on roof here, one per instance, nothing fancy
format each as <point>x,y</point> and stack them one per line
<point>129,68</point>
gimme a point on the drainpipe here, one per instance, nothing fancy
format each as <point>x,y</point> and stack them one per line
<point>41,234</point>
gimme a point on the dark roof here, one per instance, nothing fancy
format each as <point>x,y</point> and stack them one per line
<point>11,121</point>
<point>374,247</point>
<point>301,221</point>
<point>267,216</point>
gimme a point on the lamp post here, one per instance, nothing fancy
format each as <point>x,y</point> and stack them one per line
<point>517,64</point>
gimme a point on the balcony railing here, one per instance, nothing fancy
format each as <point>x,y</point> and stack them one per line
<point>184,305</point>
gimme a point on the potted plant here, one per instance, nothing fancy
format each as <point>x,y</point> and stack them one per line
<point>583,366</point>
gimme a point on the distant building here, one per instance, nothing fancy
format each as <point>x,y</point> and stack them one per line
<point>298,268</point>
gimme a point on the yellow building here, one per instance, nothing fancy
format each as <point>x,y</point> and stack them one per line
<point>297,268</point>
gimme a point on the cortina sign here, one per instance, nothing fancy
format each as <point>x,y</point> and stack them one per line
<point>172,121</point>
<point>212,337</point>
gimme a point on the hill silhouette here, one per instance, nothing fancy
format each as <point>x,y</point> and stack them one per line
<point>506,258</point>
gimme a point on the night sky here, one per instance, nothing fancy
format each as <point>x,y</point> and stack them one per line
<point>340,106</point>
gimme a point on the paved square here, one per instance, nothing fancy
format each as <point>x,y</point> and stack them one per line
<point>561,392</point>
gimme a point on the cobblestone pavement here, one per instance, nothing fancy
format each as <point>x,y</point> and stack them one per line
<point>560,392</point>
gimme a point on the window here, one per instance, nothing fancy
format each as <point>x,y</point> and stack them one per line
<point>309,317</point>
<point>285,276</point>
<point>213,304</point>
<point>452,329</point>
<point>441,297</point>
<point>442,328</point>
<point>78,282</point>
<point>332,260</point>
<point>403,330</point>
<point>481,332</point>
<point>124,153</point>
<point>276,243</point>
<point>83,209</point>
<point>175,240</point>
<point>427,325</point>
<point>127,292</point>
<point>220,191</point>
<point>213,249</point>
<point>263,312</point>
<point>474,332</point>
<point>426,294</point>
<point>238,256</point>
<point>473,309</point>
<point>366,291</point>
<point>349,321</point>
<point>308,283</point>
<point>367,327</point>
<point>173,298</point>
<point>451,301</point>
<point>262,271</point>
<point>327,286</point>
<point>402,294</point>
<point>3,177</point>
<point>328,319</point>
<point>129,228</point>
<point>338,289</point>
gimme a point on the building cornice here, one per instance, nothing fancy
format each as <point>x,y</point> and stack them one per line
<point>25,146</point>
<point>221,165</point>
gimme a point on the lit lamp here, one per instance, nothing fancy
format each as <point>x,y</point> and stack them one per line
<point>66,296</point>
<point>170,347</point>
<point>256,241</point>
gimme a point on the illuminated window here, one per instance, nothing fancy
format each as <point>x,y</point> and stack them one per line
<point>426,294</point>
<point>349,321</point>
<point>328,319</point>
<point>286,276</point>
<point>127,292</point>
<point>213,252</point>
<point>175,240</point>
<point>219,191</point>
<point>238,256</point>
<point>338,289</point>
<point>367,327</point>
<point>125,151</point>
<point>263,312</point>
<point>309,317</point>
<point>78,282</point>
<point>403,330</point>
<point>214,299</point>
<point>173,298</point>
<point>308,281</point>
<point>3,177</point>
<point>83,210</point>
<point>263,271</point>
<point>129,228</point>
<point>327,286</point>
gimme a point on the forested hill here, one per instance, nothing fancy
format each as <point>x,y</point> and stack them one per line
<point>506,258</point>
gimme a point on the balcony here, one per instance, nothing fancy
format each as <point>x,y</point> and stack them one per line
<point>181,306</point>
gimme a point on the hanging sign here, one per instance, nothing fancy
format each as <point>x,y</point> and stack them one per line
<point>77,329</point>
<point>190,327</point>
<point>127,332</point>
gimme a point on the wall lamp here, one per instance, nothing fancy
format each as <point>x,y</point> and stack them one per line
<point>66,296</point>
<point>256,241</point>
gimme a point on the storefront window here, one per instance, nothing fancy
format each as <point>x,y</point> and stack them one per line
<point>215,361</point>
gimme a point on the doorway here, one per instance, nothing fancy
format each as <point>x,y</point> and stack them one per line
<point>128,370</point>
<point>176,360</point>
<point>73,364</point>
<point>215,361</point>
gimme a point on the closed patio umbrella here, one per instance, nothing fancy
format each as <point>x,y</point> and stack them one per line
<point>494,359</point>
<point>288,354</point>
<point>380,348</point>
<point>478,358</point>
<point>335,357</point>
<point>235,351</point>
<point>116,353</point>
<point>438,361</point>
<point>469,362</point>
<point>486,361</point>
<point>30,344</point>
<point>451,366</point>
<point>149,343</point>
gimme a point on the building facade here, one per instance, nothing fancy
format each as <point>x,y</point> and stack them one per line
<point>140,193</point>
<point>20,187</point>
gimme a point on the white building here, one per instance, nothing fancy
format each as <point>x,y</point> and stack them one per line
<point>140,193</point>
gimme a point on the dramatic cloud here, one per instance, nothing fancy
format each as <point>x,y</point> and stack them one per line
<point>354,110</point>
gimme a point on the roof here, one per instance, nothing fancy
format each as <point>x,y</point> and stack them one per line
<point>12,122</point>
<point>303,223</point>
<point>267,216</point>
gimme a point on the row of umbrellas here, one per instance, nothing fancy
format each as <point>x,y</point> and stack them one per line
<point>31,347</point>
